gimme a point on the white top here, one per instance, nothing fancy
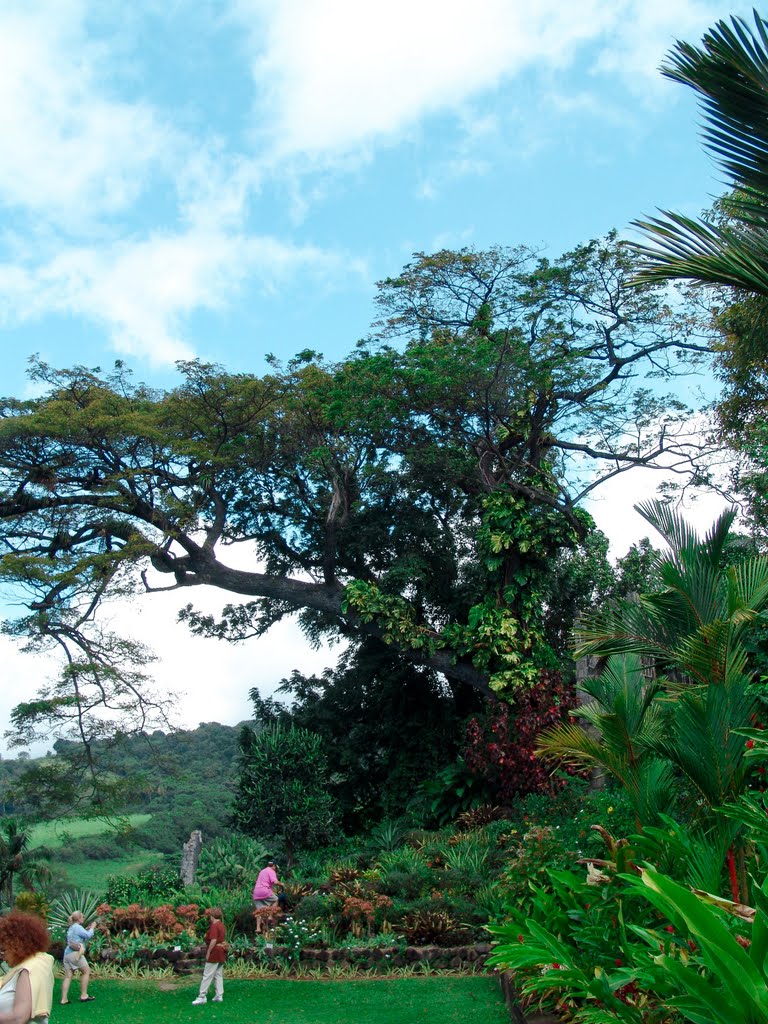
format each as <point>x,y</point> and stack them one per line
<point>8,998</point>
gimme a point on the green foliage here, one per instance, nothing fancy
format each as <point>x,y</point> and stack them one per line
<point>32,903</point>
<point>622,722</point>
<point>415,492</point>
<point>283,787</point>
<point>19,860</point>
<point>733,984</point>
<point>386,722</point>
<point>728,72</point>
<point>695,628</point>
<point>572,946</point>
<point>156,885</point>
<point>231,863</point>
<point>451,792</point>
<point>294,934</point>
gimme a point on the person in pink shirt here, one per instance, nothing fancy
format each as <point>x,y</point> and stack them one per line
<point>264,890</point>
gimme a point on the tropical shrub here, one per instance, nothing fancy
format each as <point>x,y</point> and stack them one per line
<point>294,934</point>
<point>32,903</point>
<point>501,740</point>
<point>450,792</point>
<point>155,885</point>
<point>232,862</point>
<point>283,788</point>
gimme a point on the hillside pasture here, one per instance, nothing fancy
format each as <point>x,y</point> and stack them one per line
<point>55,834</point>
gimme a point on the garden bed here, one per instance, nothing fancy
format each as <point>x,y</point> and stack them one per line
<point>469,958</point>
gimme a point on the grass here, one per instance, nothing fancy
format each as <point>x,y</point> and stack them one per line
<point>57,833</point>
<point>93,874</point>
<point>431,1000</point>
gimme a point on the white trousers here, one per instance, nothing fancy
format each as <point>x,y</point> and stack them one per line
<point>213,973</point>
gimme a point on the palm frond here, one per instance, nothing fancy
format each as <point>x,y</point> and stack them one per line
<point>730,73</point>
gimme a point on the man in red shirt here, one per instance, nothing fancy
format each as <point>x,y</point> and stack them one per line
<point>215,955</point>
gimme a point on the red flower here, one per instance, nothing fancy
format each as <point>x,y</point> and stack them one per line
<point>520,938</point>
<point>669,928</point>
<point>750,744</point>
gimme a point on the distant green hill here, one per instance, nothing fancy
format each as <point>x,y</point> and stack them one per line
<point>181,781</point>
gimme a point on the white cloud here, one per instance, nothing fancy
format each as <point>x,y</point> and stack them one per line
<point>332,75</point>
<point>612,507</point>
<point>71,151</point>
<point>142,290</point>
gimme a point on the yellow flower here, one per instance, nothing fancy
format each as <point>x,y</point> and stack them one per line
<point>610,810</point>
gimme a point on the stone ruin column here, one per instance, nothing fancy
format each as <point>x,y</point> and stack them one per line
<point>190,856</point>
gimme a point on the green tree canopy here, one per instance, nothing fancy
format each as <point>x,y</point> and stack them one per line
<point>416,491</point>
<point>282,791</point>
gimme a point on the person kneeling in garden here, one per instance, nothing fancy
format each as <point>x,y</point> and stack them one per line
<point>264,891</point>
<point>215,955</point>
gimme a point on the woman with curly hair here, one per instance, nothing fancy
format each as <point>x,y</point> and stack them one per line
<point>26,991</point>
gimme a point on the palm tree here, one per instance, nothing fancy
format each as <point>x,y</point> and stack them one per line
<point>694,629</point>
<point>17,859</point>
<point>730,73</point>
<point>623,720</point>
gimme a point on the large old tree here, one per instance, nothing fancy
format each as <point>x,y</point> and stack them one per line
<point>417,491</point>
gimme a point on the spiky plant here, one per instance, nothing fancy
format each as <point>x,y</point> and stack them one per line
<point>65,905</point>
<point>478,817</point>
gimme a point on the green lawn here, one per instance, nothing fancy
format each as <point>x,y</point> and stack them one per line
<point>430,1000</point>
<point>57,833</point>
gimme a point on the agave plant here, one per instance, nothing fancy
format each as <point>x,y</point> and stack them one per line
<point>65,905</point>
<point>387,836</point>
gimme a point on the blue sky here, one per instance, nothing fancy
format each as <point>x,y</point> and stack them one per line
<point>225,179</point>
<point>229,178</point>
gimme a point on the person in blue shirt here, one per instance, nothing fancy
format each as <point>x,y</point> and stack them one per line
<point>74,957</point>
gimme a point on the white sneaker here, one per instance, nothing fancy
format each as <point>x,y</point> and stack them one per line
<point>218,999</point>
<point>200,1001</point>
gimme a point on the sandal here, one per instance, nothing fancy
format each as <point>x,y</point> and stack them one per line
<point>87,999</point>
